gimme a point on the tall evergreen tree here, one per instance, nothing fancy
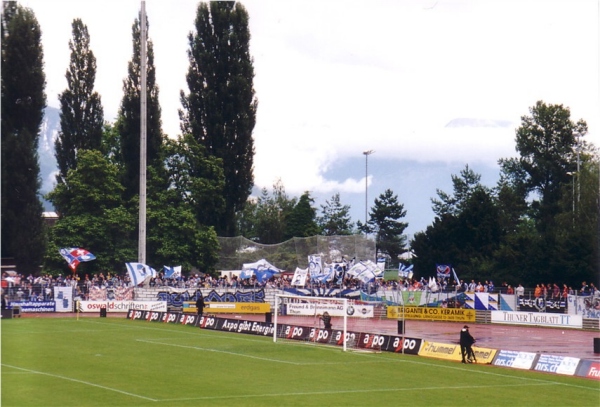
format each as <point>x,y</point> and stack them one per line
<point>220,109</point>
<point>385,221</point>
<point>23,103</point>
<point>301,222</point>
<point>128,124</point>
<point>335,219</point>
<point>81,112</point>
<point>464,186</point>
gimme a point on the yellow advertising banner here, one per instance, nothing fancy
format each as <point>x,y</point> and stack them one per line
<point>452,352</point>
<point>229,307</point>
<point>432,314</point>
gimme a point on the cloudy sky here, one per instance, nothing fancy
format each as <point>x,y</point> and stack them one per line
<point>421,82</point>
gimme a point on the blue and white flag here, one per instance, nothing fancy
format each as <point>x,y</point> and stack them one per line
<point>315,267</point>
<point>75,255</point>
<point>172,272</point>
<point>363,271</point>
<point>262,270</point>
<point>405,272</point>
<point>455,277</point>
<point>443,270</point>
<point>139,272</point>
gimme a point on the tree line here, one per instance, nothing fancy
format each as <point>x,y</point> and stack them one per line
<point>531,227</point>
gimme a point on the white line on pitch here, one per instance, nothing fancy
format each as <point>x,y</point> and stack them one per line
<point>314,393</point>
<point>79,381</point>
<point>220,351</point>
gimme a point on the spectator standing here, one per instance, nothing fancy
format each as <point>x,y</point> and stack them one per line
<point>472,286</point>
<point>584,289</point>
<point>520,291</point>
<point>555,291</point>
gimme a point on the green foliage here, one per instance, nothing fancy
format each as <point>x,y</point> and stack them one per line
<point>96,220</point>
<point>220,109</point>
<point>546,143</point>
<point>384,221</point>
<point>196,177</point>
<point>466,232</point>
<point>265,220</point>
<point>128,125</point>
<point>301,221</point>
<point>23,103</point>
<point>463,185</point>
<point>81,112</point>
<point>335,218</point>
<point>177,238</point>
<point>530,228</point>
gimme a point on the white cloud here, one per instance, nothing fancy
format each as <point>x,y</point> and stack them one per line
<point>334,78</point>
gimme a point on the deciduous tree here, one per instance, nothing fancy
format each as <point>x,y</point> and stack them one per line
<point>220,108</point>
<point>23,103</point>
<point>81,112</point>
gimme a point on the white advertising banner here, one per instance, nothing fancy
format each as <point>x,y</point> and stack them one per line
<point>122,306</point>
<point>537,319</point>
<point>586,306</point>
<point>63,296</point>
<point>361,311</point>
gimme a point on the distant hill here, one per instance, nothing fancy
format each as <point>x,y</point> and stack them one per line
<point>478,123</point>
<point>414,182</point>
<point>48,165</point>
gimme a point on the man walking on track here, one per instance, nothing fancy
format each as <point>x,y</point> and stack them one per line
<point>466,343</point>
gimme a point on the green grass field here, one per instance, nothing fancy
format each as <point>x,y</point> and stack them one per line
<point>118,362</point>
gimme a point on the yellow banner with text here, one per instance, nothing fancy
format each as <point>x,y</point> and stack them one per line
<point>452,352</point>
<point>429,313</point>
<point>229,307</point>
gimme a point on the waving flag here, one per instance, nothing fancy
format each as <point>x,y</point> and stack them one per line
<point>75,255</point>
<point>433,286</point>
<point>328,274</point>
<point>139,272</point>
<point>443,270</point>
<point>455,277</point>
<point>405,272</point>
<point>172,272</point>
<point>363,271</point>
<point>262,269</point>
<point>299,278</point>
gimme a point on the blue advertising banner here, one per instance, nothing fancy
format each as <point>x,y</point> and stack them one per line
<point>557,364</point>
<point>515,359</point>
<point>34,306</point>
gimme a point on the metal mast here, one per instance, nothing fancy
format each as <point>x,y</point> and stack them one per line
<point>143,108</point>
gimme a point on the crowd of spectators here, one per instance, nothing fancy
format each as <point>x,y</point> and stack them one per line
<point>30,288</point>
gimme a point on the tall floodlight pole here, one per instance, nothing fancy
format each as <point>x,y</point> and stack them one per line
<point>578,175</point>
<point>143,109</point>
<point>572,174</point>
<point>367,153</point>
